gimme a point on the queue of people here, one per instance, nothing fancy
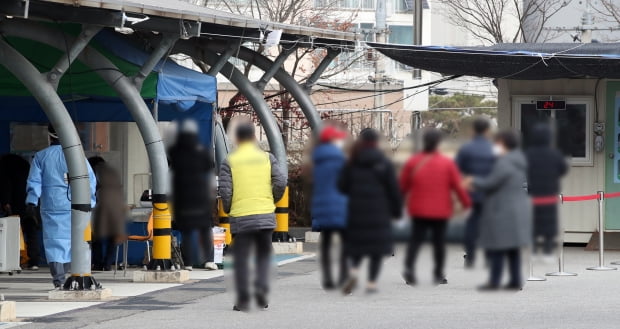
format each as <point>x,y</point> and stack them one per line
<point>357,197</point>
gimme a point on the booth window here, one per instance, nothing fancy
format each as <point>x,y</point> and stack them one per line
<point>573,126</point>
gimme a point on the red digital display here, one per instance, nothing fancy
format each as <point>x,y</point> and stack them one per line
<point>551,105</point>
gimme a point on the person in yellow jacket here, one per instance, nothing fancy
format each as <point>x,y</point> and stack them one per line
<point>250,183</point>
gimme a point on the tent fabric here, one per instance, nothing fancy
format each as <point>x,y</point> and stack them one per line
<point>180,92</point>
<point>518,61</point>
<point>175,84</point>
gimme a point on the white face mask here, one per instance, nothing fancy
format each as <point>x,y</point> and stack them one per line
<point>497,150</point>
<point>339,143</point>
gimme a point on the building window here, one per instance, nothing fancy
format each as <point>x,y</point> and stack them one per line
<point>368,31</point>
<point>573,126</point>
<point>401,34</point>
<point>403,6</point>
<point>346,4</point>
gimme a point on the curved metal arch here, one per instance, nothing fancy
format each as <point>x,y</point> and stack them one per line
<point>284,78</point>
<point>117,80</point>
<point>257,100</point>
<point>45,94</point>
<point>132,99</point>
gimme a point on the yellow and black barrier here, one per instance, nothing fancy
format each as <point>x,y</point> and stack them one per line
<point>281,231</point>
<point>162,230</point>
<point>224,221</point>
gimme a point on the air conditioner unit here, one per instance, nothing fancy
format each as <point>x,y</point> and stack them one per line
<point>9,245</point>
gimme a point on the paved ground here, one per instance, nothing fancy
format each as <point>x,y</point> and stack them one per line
<point>588,300</point>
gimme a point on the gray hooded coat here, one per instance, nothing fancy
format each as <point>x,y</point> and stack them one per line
<point>506,221</point>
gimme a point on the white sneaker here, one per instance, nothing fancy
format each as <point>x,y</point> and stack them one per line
<point>34,268</point>
<point>188,268</point>
<point>211,266</point>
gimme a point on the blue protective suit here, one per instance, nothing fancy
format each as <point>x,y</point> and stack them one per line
<point>48,182</point>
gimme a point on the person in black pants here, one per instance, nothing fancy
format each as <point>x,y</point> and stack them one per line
<point>369,180</point>
<point>326,242</point>
<point>496,262</point>
<point>329,205</point>
<point>251,181</point>
<point>475,158</point>
<point>192,198</point>
<point>13,177</point>
<point>188,249</point>
<point>420,228</point>
<point>428,181</point>
<point>242,245</point>
<point>506,222</point>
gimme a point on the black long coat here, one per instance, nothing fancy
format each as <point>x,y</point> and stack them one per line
<point>192,200</point>
<point>545,170</point>
<point>13,176</point>
<point>369,180</point>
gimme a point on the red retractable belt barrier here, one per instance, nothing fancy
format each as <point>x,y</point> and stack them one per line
<point>545,200</point>
<point>549,200</point>
<point>612,195</point>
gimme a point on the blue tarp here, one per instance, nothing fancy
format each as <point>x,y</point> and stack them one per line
<point>175,84</point>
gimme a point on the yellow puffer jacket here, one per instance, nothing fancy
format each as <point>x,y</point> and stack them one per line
<point>250,181</point>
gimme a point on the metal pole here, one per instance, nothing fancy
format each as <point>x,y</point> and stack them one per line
<point>44,92</point>
<point>132,99</point>
<point>297,91</point>
<point>532,277</point>
<point>332,53</point>
<point>256,99</point>
<point>381,27</point>
<point>418,17</point>
<point>601,233</point>
<point>561,271</point>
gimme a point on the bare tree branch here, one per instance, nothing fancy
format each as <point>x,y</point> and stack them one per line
<point>489,20</point>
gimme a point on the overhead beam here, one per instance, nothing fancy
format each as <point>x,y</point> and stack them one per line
<point>224,57</point>
<point>161,51</point>
<point>332,53</point>
<point>277,64</point>
<point>65,61</point>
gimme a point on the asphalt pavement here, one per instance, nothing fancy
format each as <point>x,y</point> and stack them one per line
<point>589,300</point>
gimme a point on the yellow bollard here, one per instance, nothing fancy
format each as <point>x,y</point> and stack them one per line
<point>162,230</point>
<point>224,221</point>
<point>282,216</point>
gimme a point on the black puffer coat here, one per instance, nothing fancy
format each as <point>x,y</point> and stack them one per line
<point>546,168</point>
<point>369,180</point>
<point>192,200</point>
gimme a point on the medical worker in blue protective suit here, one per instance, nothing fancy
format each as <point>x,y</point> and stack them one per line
<point>48,182</point>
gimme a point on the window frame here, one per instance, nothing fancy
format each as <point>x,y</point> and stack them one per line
<point>588,101</point>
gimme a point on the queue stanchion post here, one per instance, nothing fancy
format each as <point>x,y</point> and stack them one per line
<point>531,276</point>
<point>601,231</point>
<point>561,271</point>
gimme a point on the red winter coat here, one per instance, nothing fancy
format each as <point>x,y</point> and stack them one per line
<point>429,190</point>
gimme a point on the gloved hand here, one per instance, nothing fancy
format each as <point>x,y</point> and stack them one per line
<point>31,214</point>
